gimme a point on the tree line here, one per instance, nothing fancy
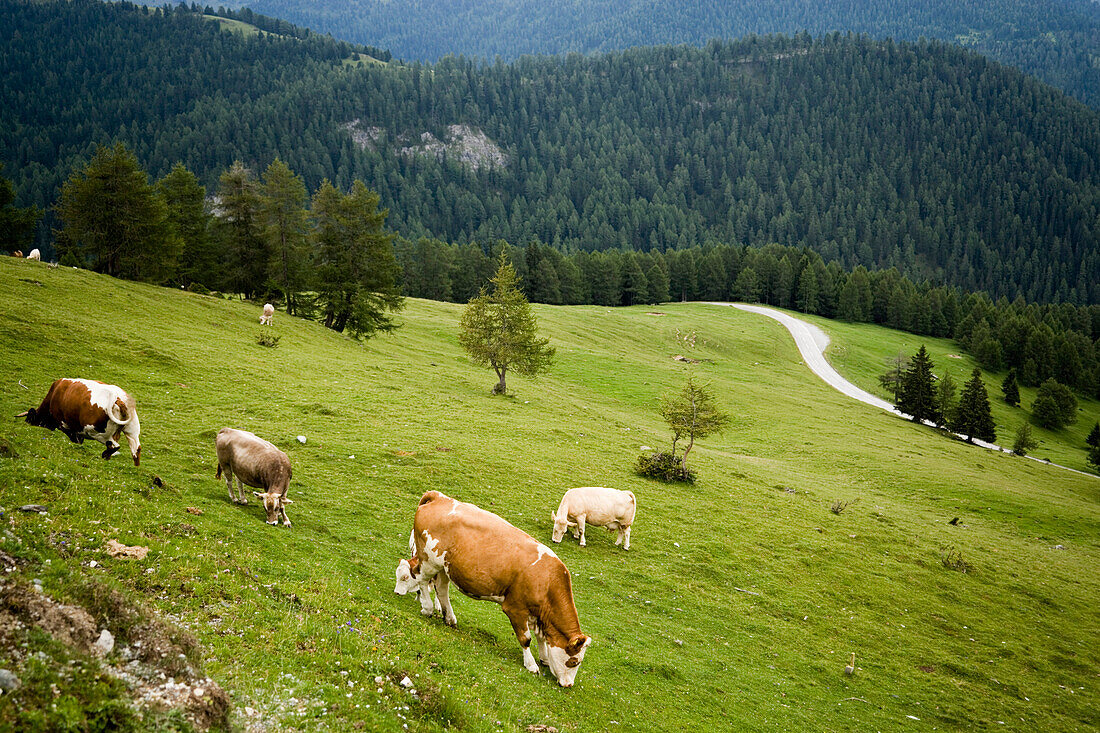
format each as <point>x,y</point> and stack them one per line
<point>328,257</point>
<point>917,156</point>
<point>1038,342</point>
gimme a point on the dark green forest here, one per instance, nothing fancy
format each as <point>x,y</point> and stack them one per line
<point>924,157</point>
<point>1057,41</point>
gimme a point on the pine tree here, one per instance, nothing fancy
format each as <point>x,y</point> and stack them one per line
<point>1011,389</point>
<point>357,270</point>
<point>238,228</point>
<point>16,225</point>
<point>114,219</point>
<point>692,414</point>
<point>945,397</point>
<point>286,232</point>
<point>1093,438</point>
<point>973,417</point>
<point>917,397</point>
<point>498,329</point>
<point>200,260</point>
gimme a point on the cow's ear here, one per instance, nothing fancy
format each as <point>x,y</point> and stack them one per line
<point>553,518</point>
<point>578,642</point>
<point>288,501</point>
<point>257,494</point>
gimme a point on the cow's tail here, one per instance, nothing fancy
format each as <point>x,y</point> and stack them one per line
<point>429,496</point>
<point>119,412</point>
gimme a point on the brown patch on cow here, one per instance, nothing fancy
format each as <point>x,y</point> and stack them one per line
<point>576,644</point>
<point>572,662</point>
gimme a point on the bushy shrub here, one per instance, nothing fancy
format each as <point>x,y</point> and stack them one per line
<point>268,340</point>
<point>663,466</point>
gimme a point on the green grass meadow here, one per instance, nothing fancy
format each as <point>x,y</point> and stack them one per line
<point>735,609</point>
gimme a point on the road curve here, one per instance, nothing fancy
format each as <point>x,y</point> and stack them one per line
<point>811,342</point>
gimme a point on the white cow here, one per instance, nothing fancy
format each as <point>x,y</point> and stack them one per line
<point>269,313</point>
<point>608,508</point>
<point>35,255</point>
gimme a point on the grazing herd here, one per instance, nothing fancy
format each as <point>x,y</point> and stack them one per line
<point>486,557</point>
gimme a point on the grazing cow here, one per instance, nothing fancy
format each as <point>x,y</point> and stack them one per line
<point>17,253</point>
<point>269,313</point>
<point>85,408</point>
<point>256,463</point>
<point>608,508</point>
<point>35,255</point>
<point>489,559</point>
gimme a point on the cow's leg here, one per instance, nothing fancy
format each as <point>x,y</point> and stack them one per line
<point>282,512</point>
<point>242,496</point>
<point>443,598</point>
<point>625,534</point>
<point>520,619</point>
<point>229,484</point>
<point>580,526</point>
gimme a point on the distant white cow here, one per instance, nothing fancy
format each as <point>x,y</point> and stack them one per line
<point>35,255</point>
<point>269,313</point>
<point>608,508</point>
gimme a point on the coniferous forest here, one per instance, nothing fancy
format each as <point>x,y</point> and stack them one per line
<point>1054,40</point>
<point>923,157</point>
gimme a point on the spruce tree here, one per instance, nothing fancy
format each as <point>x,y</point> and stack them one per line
<point>946,388</point>
<point>498,329</point>
<point>973,417</point>
<point>238,228</point>
<point>200,259</point>
<point>286,232</point>
<point>16,224</point>
<point>115,221</point>
<point>1011,389</point>
<point>917,396</point>
<point>1094,436</point>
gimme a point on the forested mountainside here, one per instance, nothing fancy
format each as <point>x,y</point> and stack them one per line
<point>922,156</point>
<point>1057,41</point>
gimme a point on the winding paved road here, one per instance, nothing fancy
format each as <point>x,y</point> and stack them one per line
<point>811,342</point>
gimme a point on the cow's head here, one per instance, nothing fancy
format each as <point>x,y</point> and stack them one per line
<point>560,525</point>
<point>408,576</point>
<point>273,504</point>
<point>565,661</point>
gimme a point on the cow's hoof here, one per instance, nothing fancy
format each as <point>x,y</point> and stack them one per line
<point>427,612</point>
<point>286,524</point>
<point>452,622</point>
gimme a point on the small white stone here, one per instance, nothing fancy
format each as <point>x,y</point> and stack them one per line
<point>406,682</point>
<point>378,680</point>
<point>302,439</point>
<point>92,563</point>
<point>104,644</point>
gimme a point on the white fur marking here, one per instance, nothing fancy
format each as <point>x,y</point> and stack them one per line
<point>544,550</point>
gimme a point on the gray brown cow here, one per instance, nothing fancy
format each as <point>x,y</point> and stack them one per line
<point>256,463</point>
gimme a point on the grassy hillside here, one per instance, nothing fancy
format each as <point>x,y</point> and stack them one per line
<point>736,607</point>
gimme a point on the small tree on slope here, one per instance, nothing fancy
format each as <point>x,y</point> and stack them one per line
<point>692,414</point>
<point>973,417</point>
<point>498,329</point>
<point>917,396</point>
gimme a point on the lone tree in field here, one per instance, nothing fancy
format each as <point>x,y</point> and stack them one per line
<point>945,398</point>
<point>1011,389</point>
<point>917,395</point>
<point>498,329</point>
<point>1025,442</point>
<point>973,417</point>
<point>691,414</point>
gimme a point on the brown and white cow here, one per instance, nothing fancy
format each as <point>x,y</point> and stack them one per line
<point>256,463</point>
<point>489,559</point>
<point>269,313</point>
<point>85,408</point>
<point>609,508</point>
